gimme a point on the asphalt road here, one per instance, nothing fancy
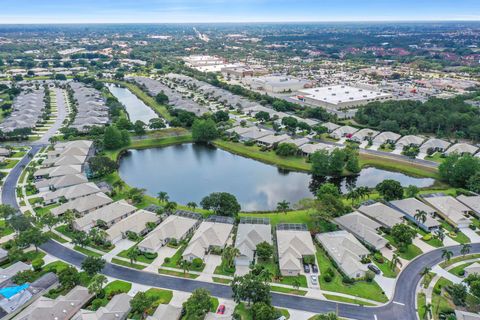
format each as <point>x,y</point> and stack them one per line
<point>401,307</point>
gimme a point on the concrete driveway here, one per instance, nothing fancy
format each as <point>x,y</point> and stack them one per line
<point>211,262</point>
<point>164,252</point>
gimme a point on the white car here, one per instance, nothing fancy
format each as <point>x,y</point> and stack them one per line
<point>314,279</point>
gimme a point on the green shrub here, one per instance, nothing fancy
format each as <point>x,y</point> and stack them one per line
<point>327,278</point>
<point>37,264</point>
<point>167,260</point>
<point>150,255</point>
<point>197,263</point>
<point>427,237</point>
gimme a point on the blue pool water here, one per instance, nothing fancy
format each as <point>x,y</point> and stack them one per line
<point>11,291</point>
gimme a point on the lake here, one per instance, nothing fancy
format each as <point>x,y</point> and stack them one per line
<point>189,172</point>
<point>136,109</point>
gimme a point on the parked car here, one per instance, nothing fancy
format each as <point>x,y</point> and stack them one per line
<point>314,268</point>
<point>314,279</point>
<point>374,268</point>
<point>221,309</point>
<point>306,268</point>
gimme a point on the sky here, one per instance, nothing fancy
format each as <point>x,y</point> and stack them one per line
<point>171,11</point>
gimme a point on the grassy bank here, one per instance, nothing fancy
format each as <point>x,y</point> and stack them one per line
<point>160,109</point>
<point>386,163</point>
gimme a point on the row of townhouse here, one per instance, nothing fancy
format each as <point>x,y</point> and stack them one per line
<point>90,105</point>
<point>379,138</point>
<point>27,110</point>
<point>63,180</point>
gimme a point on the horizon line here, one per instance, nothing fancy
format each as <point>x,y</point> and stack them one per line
<point>243,22</point>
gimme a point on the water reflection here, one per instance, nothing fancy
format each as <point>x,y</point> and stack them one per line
<point>136,109</point>
<point>189,172</point>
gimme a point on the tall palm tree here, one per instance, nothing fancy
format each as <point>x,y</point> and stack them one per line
<point>395,261</point>
<point>163,196</point>
<point>465,249</point>
<point>427,311</point>
<point>185,265</point>
<point>420,216</point>
<point>296,283</point>
<point>447,254</point>
<point>229,254</point>
<point>96,284</point>
<point>440,234</point>
<point>133,254</point>
<point>283,206</point>
<point>425,271</point>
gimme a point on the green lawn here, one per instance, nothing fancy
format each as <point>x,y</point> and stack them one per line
<point>87,252</point>
<point>297,216</point>
<point>221,280</point>
<point>458,270</point>
<point>224,270</point>
<point>460,237</point>
<point>362,289</point>
<point>437,157</point>
<point>55,237</point>
<point>56,266</point>
<point>292,163</point>
<point>409,253</point>
<point>159,296</point>
<point>439,301</point>
<point>347,300</point>
<point>128,264</point>
<point>386,269</point>
<point>215,304</point>
<point>421,302</point>
<point>178,273</point>
<point>4,231</point>
<point>288,290</point>
<point>244,313</point>
<point>140,257</point>
<point>63,229</point>
<point>458,259</point>
<point>177,257</point>
<point>111,289</point>
<point>289,280</point>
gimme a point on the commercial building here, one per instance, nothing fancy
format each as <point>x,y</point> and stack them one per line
<point>277,84</point>
<point>341,97</point>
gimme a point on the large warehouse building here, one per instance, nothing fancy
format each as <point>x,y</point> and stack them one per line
<point>277,84</point>
<point>340,97</point>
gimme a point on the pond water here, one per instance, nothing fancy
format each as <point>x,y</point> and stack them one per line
<point>189,172</point>
<point>136,109</point>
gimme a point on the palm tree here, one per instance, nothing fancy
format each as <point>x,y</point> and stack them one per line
<point>132,254</point>
<point>163,196</point>
<point>465,249</point>
<point>352,195</point>
<point>185,265</point>
<point>425,271</point>
<point>192,205</point>
<point>427,311</point>
<point>395,261</point>
<point>229,255</point>
<point>447,254</point>
<point>421,216</point>
<point>440,234</point>
<point>283,206</point>
<point>296,283</point>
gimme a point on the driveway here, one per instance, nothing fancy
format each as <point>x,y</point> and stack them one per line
<point>163,252</point>
<point>474,237</point>
<point>211,262</point>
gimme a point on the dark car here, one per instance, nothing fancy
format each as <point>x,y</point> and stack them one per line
<point>221,309</point>
<point>306,268</point>
<point>314,268</point>
<point>374,268</point>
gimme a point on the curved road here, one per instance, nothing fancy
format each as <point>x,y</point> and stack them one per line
<point>401,307</point>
